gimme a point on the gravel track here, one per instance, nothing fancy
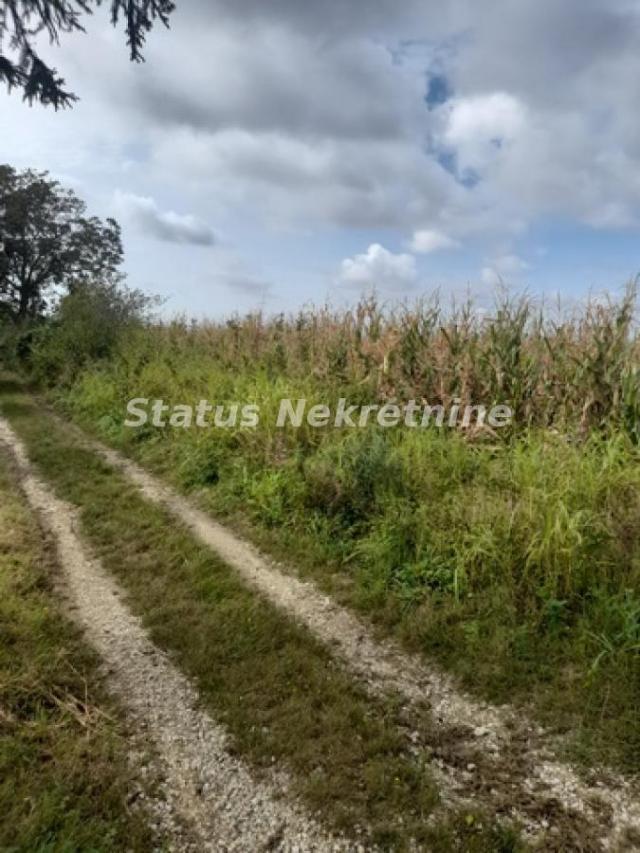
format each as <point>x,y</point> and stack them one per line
<point>482,754</point>
<point>495,757</point>
<point>223,806</point>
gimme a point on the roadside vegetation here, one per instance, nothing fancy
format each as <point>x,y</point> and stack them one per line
<point>65,782</point>
<point>512,556</point>
<point>276,689</point>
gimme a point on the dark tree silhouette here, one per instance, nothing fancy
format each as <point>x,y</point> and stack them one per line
<point>21,21</point>
<point>47,242</point>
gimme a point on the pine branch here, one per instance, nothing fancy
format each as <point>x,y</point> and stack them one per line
<point>21,21</point>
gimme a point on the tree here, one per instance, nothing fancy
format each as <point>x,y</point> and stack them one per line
<point>47,243</point>
<point>21,21</point>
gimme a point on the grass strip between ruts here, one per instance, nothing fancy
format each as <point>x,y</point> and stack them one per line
<point>65,781</point>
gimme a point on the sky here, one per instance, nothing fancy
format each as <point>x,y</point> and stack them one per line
<point>277,153</point>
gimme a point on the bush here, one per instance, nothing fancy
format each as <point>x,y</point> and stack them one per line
<point>351,476</point>
<point>86,326</point>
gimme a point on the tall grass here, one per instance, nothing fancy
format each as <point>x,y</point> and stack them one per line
<point>513,555</point>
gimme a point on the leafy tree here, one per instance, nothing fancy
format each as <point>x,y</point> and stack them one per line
<point>47,243</point>
<point>21,21</point>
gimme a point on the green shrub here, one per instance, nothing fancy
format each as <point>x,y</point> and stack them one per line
<point>87,326</point>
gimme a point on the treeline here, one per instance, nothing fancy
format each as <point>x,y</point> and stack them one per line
<point>63,296</point>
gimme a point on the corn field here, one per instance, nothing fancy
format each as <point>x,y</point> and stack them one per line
<point>570,371</point>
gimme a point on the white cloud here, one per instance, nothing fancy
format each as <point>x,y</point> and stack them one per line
<point>490,276</point>
<point>285,180</point>
<point>167,226</point>
<point>507,268</point>
<point>541,111</point>
<point>428,240</point>
<point>379,268</point>
<point>479,127</point>
<point>484,117</point>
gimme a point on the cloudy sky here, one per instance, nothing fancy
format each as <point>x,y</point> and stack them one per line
<point>278,152</point>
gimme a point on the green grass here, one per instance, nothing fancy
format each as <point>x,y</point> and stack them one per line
<point>515,560</point>
<point>279,693</point>
<point>64,779</point>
